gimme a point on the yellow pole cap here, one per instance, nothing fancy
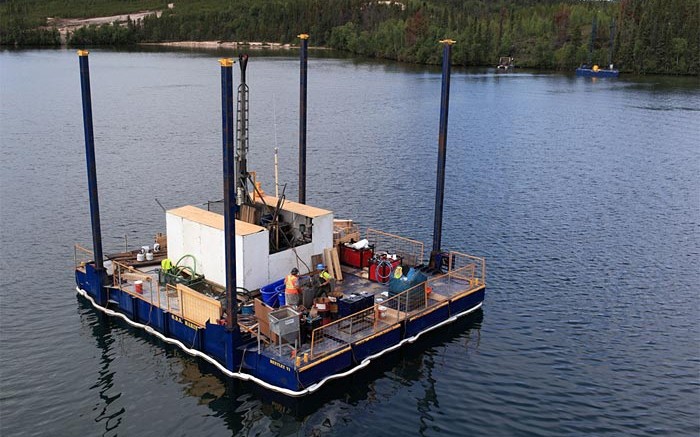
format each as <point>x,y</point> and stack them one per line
<point>226,62</point>
<point>447,41</point>
<point>83,53</point>
<point>303,35</point>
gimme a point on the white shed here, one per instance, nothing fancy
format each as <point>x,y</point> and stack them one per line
<point>200,233</point>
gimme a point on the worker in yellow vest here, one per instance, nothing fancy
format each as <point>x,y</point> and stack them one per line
<point>325,279</point>
<point>166,265</point>
<point>292,291</point>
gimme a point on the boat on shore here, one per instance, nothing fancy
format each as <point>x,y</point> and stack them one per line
<point>186,289</point>
<point>505,63</point>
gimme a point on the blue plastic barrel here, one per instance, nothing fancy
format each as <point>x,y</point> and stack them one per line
<point>269,297</point>
<point>280,294</point>
<point>270,293</point>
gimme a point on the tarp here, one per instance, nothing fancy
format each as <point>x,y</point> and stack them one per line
<point>411,279</point>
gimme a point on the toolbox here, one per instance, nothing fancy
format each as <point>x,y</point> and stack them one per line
<point>357,258</point>
<point>367,300</point>
<point>311,324</point>
<point>350,305</point>
<point>380,269</point>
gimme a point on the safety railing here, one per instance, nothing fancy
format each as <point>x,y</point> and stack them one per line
<point>382,315</point>
<point>410,251</point>
<point>466,273</point>
<point>454,282</point>
<point>459,260</point>
<point>389,312</point>
<point>178,299</point>
<point>137,283</point>
<point>198,308</point>
<point>81,256</point>
<point>172,300</point>
<point>336,335</point>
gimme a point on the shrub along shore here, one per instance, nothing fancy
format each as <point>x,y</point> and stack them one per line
<point>638,36</point>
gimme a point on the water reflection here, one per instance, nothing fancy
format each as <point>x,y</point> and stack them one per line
<point>248,409</point>
<point>337,403</point>
<point>101,329</point>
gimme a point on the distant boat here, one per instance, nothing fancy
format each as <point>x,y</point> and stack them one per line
<point>506,63</point>
<point>595,71</point>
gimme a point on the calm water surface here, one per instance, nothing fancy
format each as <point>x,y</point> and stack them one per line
<point>584,196</point>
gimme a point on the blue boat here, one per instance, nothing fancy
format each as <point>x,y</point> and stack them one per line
<point>595,71</point>
<point>386,290</point>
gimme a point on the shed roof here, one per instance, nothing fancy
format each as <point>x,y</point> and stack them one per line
<point>214,220</point>
<point>297,208</point>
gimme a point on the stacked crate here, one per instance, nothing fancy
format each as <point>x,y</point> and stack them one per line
<point>344,231</point>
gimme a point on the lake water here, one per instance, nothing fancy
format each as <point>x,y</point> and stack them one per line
<point>584,196</point>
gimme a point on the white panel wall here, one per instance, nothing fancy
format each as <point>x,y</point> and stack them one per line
<point>253,250</point>
<point>173,226</point>
<point>322,233</point>
<point>213,254</point>
<point>281,263</point>
<point>191,243</point>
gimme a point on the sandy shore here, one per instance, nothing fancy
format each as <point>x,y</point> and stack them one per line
<point>80,22</point>
<point>223,44</point>
<point>69,25</point>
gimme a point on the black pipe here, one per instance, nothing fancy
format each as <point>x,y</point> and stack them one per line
<point>442,146</point>
<point>243,64</point>
<point>229,189</point>
<point>302,117</point>
<point>90,158</point>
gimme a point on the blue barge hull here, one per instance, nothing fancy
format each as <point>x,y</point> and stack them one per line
<point>237,356</point>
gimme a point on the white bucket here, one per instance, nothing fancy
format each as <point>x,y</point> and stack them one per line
<point>140,257</point>
<point>149,256</point>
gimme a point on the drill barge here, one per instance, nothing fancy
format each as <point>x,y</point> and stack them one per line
<point>386,290</point>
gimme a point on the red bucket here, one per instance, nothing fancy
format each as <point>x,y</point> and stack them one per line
<point>138,287</point>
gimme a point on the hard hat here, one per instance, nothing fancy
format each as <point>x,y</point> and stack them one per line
<point>295,271</point>
<point>320,267</point>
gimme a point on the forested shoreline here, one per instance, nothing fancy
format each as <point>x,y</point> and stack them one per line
<point>648,36</point>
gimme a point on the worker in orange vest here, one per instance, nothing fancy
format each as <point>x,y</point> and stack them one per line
<point>292,291</point>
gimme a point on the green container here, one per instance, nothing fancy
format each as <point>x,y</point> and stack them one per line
<point>174,279</point>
